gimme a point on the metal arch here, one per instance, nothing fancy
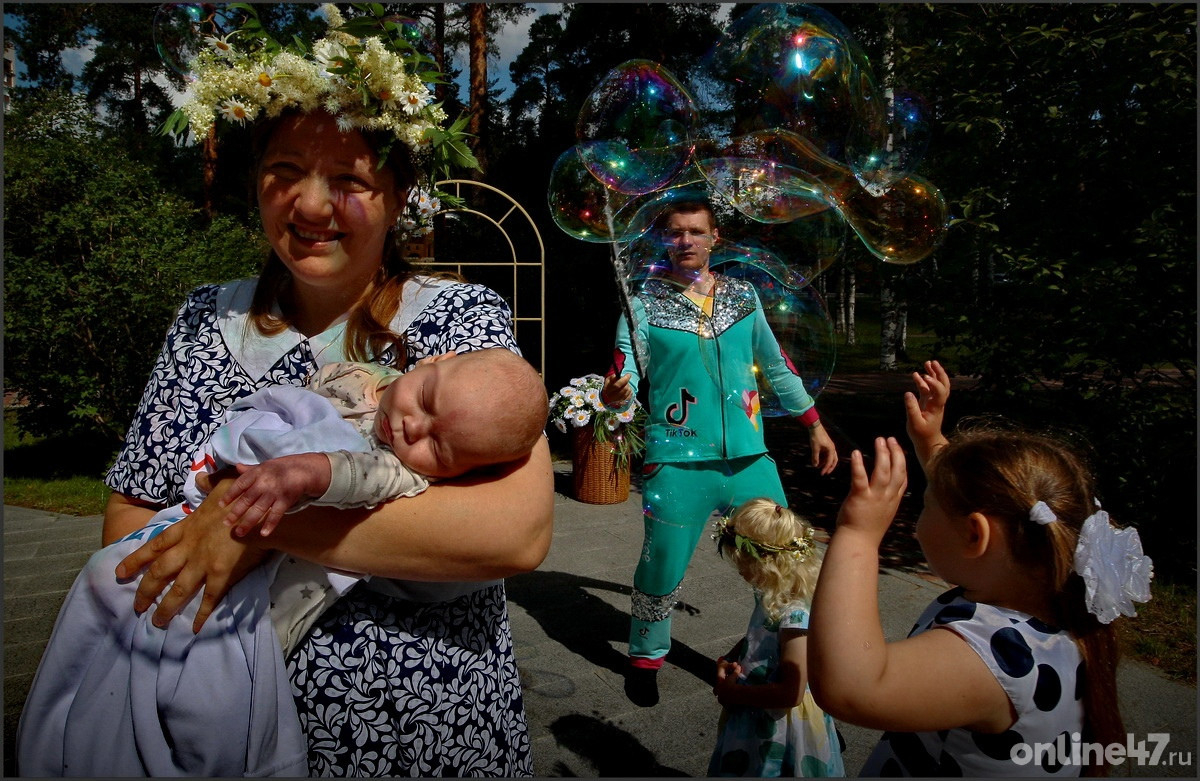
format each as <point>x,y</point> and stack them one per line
<point>454,187</point>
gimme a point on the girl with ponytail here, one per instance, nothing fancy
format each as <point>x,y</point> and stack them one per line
<point>1022,679</point>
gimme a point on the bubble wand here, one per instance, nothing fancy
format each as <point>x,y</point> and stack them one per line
<point>639,349</point>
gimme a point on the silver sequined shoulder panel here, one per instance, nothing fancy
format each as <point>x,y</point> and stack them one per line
<point>667,307</point>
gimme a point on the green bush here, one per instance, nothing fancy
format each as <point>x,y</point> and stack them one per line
<point>98,259</point>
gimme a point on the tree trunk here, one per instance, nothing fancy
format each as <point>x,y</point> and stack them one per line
<point>477,16</point>
<point>887,324</point>
<point>209,152</point>
<point>850,293</point>
<point>439,48</point>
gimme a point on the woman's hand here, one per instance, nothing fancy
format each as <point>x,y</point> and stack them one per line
<point>198,551</point>
<point>872,502</point>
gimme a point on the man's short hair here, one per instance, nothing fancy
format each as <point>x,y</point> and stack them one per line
<point>686,207</point>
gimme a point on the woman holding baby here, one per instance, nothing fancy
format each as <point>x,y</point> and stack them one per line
<point>411,672</point>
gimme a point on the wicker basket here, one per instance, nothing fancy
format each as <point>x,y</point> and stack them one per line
<point>597,479</point>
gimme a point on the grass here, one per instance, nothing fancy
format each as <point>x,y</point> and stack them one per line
<point>1164,632</point>
<point>72,495</point>
<point>56,475</point>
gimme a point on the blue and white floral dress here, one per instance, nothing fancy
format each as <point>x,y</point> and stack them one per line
<point>398,678</point>
<point>800,741</point>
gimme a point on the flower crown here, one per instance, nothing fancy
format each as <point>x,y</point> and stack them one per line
<point>364,72</point>
<point>798,548</point>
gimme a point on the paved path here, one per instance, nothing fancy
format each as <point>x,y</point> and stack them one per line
<point>569,620</point>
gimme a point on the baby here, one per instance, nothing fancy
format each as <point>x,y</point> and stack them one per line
<point>442,419</point>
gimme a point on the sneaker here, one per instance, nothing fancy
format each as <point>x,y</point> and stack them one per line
<point>641,686</point>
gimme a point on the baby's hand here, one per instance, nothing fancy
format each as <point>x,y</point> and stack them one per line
<point>925,416</point>
<point>263,493</point>
<point>872,503</point>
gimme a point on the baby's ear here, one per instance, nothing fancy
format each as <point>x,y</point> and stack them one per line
<point>979,536</point>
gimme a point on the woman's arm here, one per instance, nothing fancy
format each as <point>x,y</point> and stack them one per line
<point>478,527</point>
<point>467,529</point>
<point>124,515</point>
<point>785,691</point>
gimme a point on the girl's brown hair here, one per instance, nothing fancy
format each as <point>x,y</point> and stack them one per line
<point>368,331</point>
<point>1001,473</point>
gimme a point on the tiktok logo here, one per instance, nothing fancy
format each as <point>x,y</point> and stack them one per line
<point>677,414</point>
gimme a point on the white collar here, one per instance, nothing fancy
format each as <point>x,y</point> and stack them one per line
<point>258,353</point>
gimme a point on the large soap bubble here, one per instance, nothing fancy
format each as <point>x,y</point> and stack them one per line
<point>634,129</point>
<point>579,202</point>
<point>790,67</point>
<point>905,134</point>
<point>902,224</point>
<point>786,135</point>
<point>793,339</point>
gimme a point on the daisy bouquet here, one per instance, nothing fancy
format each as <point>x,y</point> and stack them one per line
<point>578,405</point>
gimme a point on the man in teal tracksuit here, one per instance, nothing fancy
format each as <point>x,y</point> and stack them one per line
<point>704,442</point>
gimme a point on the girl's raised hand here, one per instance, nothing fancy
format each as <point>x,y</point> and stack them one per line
<point>872,502</point>
<point>925,415</point>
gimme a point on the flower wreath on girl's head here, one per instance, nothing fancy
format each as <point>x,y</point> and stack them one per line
<point>364,72</point>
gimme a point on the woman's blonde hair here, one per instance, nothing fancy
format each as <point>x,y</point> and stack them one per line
<point>368,326</point>
<point>1002,472</point>
<point>773,551</point>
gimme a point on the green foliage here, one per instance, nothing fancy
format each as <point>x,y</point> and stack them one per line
<point>1064,138</point>
<point>93,279</point>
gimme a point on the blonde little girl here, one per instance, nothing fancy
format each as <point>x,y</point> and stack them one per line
<point>1013,672</point>
<point>770,726</point>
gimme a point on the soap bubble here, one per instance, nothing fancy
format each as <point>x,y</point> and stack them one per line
<point>905,133</point>
<point>634,129</point>
<point>410,32</point>
<point>799,342</point>
<point>787,137</point>
<point>902,226</point>
<point>811,244</point>
<point>790,67</point>
<point>180,31</point>
<point>579,203</point>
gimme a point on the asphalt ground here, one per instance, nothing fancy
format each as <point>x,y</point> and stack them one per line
<point>570,624</point>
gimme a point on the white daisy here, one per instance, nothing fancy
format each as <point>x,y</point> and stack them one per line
<point>219,44</point>
<point>235,110</point>
<point>414,101</point>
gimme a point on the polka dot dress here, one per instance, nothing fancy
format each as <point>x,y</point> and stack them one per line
<point>1038,666</point>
